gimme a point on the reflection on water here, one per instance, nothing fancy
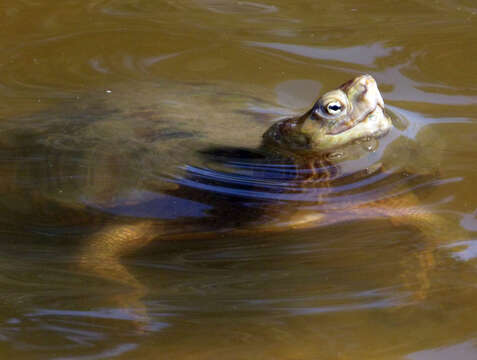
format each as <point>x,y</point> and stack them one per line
<point>460,351</point>
<point>114,110</point>
<point>362,55</point>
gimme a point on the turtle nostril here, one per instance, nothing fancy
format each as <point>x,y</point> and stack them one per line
<point>363,88</point>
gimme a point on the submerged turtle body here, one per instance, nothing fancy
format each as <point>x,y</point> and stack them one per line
<point>127,146</point>
<point>105,146</point>
<point>148,147</point>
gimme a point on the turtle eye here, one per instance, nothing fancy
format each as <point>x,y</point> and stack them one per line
<point>333,108</point>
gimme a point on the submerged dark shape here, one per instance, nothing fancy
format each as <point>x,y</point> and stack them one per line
<point>114,173</point>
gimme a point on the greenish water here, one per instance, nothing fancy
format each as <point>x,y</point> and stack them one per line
<point>81,84</point>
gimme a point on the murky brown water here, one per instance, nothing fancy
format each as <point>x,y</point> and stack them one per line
<point>72,71</point>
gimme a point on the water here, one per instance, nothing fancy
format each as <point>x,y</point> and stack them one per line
<point>81,84</point>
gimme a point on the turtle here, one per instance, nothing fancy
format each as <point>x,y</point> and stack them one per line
<point>100,161</point>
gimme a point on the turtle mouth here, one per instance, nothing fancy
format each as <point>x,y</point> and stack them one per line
<point>349,124</point>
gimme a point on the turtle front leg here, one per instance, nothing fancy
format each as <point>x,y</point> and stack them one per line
<point>101,257</point>
<point>436,229</point>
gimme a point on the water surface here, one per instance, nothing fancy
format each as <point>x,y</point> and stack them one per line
<point>71,72</point>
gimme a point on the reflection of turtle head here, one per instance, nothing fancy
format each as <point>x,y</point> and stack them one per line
<point>353,111</point>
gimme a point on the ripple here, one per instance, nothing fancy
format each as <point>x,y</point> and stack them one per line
<point>285,183</point>
<point>463,6</point>
<point>363,55</point>
<point>237,7</point>
<point>116,351</point>
<point>59,76</point>
<point>137,8</point>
